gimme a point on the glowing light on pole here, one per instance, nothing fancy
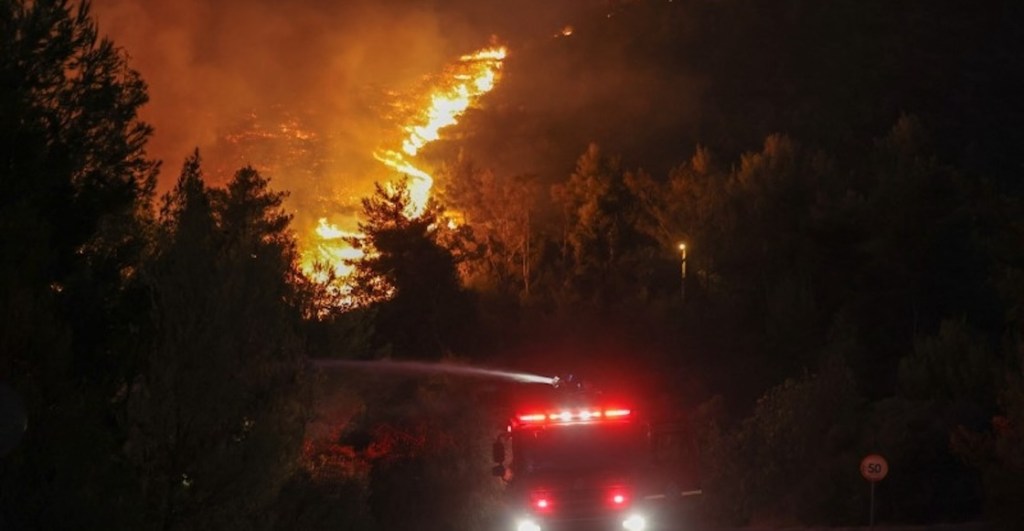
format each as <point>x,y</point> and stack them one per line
<point>682,268</point>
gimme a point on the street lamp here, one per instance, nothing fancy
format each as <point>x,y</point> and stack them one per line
<point>682,270</point>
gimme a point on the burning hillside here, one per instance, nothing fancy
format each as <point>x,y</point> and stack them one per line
<point>458,87</point>
<point>281,143</point>
<point>451,94</point>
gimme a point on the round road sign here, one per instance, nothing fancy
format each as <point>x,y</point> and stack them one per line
<point>874,468</point>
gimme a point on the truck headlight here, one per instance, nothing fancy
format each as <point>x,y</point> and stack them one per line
<point>527,525</point>
<point>635,522</point>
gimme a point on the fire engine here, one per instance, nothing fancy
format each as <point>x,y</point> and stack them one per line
<point>576,458</point>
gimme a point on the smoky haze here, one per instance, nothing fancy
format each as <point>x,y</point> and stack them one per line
<point>307,90</point>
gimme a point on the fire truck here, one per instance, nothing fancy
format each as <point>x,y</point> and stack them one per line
<point>573,458</point>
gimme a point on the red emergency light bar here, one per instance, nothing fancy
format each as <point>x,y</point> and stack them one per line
<point>574,416</point>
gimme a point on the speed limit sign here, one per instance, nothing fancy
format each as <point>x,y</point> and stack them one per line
<point>874,468</point>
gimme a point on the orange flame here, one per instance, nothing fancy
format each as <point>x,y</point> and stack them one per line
<point>473,76</point>
<point>460,86</point>
<point>332,249</point>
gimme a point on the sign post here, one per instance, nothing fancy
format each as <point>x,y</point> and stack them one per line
<point>874,468</point>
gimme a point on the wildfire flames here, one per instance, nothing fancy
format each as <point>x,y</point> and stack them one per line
<point>473,76</point>
<point>332,249</point>
<point>458,88</point>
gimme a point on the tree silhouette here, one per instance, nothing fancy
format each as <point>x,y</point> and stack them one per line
<point>220,387</point>
<point>423,310</point>
<point>497,213</point>
<point>74,220</point>
<point>606,255</point>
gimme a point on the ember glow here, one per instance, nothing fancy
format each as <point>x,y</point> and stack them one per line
<point>457,89</point>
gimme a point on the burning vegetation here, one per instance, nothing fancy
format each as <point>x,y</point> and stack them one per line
<point>459,87</point>
<point>450,95</point>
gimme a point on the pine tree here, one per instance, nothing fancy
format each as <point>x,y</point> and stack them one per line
<point>217,415</point>
<point>74,220</point>
<point>423,310</point>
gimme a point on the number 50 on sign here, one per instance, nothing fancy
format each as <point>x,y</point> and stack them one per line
<point>874,468</point>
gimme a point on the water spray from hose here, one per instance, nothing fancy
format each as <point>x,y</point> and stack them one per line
<point>417,367</point>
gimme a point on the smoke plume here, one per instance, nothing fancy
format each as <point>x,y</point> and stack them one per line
<point>307,90</point>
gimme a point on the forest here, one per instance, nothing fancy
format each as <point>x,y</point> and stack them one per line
<point>853,283</point>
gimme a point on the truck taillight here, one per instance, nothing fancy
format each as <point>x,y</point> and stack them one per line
<point>618,497</point>
<point>541,501</point>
